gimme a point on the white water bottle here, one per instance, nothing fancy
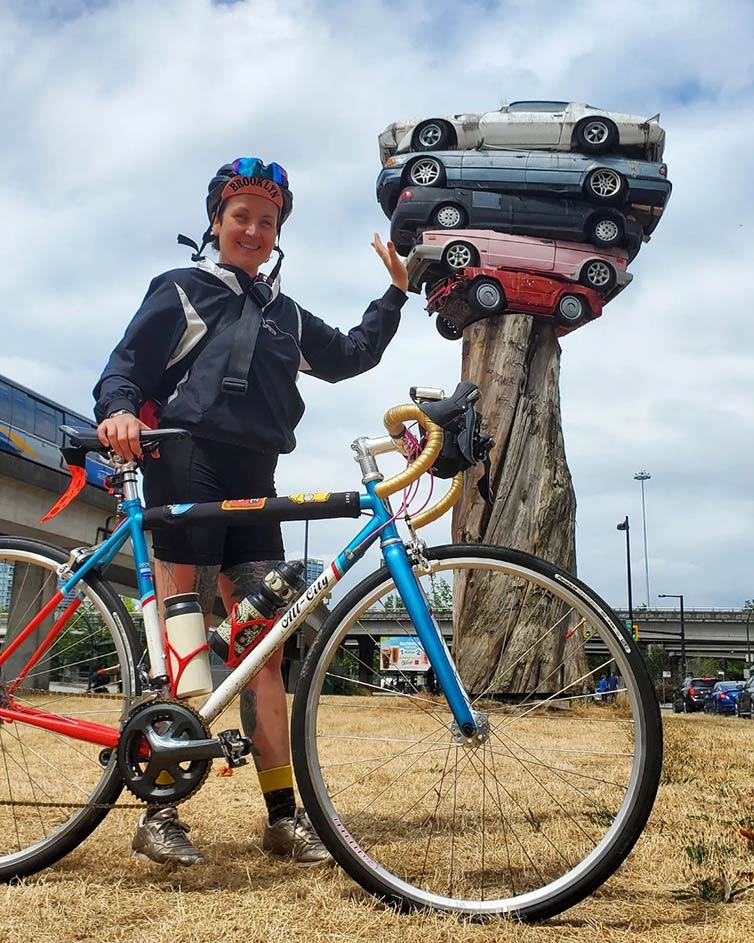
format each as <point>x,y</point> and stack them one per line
<point>187,649</point>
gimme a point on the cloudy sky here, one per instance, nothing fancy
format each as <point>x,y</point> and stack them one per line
<point>115,114</point>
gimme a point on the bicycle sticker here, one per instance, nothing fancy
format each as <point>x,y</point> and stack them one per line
<point>176,509</point>
<point>310,497</point>
<point>244,504</point>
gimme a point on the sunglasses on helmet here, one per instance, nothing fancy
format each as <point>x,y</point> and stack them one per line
<point>255,167</point>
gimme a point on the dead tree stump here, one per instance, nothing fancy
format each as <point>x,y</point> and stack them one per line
<point>515,361</point>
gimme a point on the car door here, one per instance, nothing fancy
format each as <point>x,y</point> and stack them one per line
<point>490,210</point>
<point>541,215</point>
<point>523,124</point>
<point>521,252</point>
<point>501,171</point>
<point>557,173</point>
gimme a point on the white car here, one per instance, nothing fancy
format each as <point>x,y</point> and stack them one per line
<point>545,125</point>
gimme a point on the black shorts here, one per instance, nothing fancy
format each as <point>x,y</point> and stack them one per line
<point>196,470</point>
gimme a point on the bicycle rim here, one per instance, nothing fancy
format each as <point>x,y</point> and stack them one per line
<point>529,821</point>
<point>53,789</point>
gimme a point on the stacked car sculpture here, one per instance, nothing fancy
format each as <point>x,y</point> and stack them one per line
<point>537,208</point>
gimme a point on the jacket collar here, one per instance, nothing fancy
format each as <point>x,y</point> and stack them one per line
<point>235,278</point>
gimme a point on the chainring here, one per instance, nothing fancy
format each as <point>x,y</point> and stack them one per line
<point>161,780</point>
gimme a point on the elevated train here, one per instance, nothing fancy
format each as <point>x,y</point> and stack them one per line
<point>30,428</point>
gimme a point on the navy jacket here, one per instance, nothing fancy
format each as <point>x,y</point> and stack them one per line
<point>176,350</point>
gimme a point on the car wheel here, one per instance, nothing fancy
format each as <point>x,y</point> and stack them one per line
<point>426,172</point>
<point>459,255</point>
<point>676,708</point>
<point>606,231</point>
<point>432,136</point>
<point>449,216</point>
<point>447,329</point>
<point>571,310</point>
<point>596,135</point>
<point>486,297</point>
<point>598,274</point>
<point>604,184</point>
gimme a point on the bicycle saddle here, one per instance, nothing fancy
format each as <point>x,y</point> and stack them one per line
<point>150,439</point>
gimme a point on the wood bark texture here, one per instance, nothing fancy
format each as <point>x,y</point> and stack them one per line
<point>500,642</point>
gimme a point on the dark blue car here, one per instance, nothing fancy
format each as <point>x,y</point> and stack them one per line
<point>525,214</point>
<point>601,180</point>
<point>722,698</point>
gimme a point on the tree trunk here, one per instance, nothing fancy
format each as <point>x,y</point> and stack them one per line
<point>515,361</point>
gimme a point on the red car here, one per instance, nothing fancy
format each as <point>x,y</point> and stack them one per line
<point>479,293</point>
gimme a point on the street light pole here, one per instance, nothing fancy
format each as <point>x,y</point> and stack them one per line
<point>643,476</point>
<point>683,629</point>
<point>625,526</point>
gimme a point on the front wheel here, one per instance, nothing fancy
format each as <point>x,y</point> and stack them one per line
<point>525,822</point>
<point>55,790</point>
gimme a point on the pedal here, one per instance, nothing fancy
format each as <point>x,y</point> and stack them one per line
<point>235,747</point>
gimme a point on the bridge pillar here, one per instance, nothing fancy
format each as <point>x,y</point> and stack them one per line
<point>367,649</point>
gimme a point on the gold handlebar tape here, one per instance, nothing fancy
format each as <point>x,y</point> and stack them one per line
<point>394,419</point>
<point>437,510</point>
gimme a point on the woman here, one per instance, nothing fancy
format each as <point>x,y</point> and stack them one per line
<point>191,348</point>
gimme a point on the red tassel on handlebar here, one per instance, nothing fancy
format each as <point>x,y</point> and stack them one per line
<point>78,480</point>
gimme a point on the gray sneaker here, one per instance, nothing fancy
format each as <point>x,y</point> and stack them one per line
<point>162,837</point>
<point>295,838</point>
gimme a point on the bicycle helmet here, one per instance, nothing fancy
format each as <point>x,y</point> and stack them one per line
<point>245,175</point>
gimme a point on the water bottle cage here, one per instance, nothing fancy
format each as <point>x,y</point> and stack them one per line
<point>252,633</point>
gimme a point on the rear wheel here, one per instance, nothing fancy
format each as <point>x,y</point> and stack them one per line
<point>55,790</point>
<point>596,135</point>
<point>598,274</point>
<point>606,231</point>
<point>604,185</point>
<point>525,822</point>
<point>572,310</point>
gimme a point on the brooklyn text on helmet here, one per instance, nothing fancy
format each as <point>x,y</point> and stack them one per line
<point>251,184</point>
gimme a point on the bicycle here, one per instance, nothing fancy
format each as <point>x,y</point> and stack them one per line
<point>466,801</point>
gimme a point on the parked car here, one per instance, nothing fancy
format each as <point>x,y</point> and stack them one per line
<point>478,293</point>
<point>552,125</point>
<point>454,251</point>
<point>745,702</point>
<point>601,180</point>
<point>722,698</point>
<point>690,695</point>
<point>523,213</point>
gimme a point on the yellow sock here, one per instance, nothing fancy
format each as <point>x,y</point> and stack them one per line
<point>279,777</point>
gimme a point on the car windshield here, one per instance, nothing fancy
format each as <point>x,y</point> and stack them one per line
<point>727,685</point>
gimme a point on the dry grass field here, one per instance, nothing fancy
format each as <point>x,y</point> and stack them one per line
<point>685,880</point>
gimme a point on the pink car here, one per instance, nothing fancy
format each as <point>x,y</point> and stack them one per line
<point>455,250</point>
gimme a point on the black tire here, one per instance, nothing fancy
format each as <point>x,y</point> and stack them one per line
<point>62,791</point>
<point>389,829</point>
<point>458,256</point>
<point>572,309</point>
<point>596,135</point>
<point>447,329</point>
<point>599,275</point>
<point>486,297</point>
<point>606,231</point>
<point>676,708</point>
<point>604,185</point>
<point>433,135</point>
<point>426,172</point>
<point>449,216</point>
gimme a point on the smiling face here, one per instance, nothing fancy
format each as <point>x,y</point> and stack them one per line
<point>246,232</point>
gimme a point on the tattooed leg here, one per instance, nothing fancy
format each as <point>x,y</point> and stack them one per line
<point>263,705</point>
<point>171,578</point>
